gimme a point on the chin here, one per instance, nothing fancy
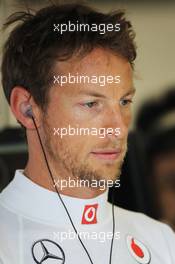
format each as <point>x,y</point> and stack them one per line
<point>109,172</point>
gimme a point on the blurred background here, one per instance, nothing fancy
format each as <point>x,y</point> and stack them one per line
<point>148,175</point>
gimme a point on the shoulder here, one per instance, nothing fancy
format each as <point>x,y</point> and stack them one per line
<point>141,221</point>
<point>157,235</point>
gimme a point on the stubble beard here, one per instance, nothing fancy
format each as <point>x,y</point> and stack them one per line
<point>60,154</point>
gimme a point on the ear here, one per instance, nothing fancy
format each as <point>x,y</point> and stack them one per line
<point>19,100</point>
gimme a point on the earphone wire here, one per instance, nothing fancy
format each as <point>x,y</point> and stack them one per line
<point>67,212</point>
<point>113,228</point>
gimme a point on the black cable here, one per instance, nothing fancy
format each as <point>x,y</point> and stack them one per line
<point>71,221</point>
<point>113,227</point>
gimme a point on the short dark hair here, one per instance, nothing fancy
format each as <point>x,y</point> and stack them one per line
<point>33,48</point>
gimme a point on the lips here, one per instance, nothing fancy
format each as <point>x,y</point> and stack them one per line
<point>107,154</point>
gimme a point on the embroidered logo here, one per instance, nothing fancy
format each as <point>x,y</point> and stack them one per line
<point>138,250</point>
<point>47,251</point>
<point>89,214</point>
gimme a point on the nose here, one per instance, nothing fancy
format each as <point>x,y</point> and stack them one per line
<point>118,122</point>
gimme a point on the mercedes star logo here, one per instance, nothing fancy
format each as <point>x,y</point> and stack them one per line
<point>41,252</point>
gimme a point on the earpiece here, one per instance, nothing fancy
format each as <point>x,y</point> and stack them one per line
<point>27,110</point>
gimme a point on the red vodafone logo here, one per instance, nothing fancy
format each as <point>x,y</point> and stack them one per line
<point>90,214</point>
<point>138,250</point>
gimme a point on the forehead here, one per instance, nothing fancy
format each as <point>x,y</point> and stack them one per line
<point>99,61</point>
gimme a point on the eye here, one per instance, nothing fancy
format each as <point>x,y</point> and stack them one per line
<point>125,102</point>
<point>90,104</point>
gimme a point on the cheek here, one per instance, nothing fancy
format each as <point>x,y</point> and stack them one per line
<point>127,116</point>
<point>85,119</point>
<point>62,119</point>
<point>128,119</point>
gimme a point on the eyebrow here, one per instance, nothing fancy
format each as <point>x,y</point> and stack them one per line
<point>99,95</point>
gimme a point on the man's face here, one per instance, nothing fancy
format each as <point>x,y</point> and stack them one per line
<point>89,105</point>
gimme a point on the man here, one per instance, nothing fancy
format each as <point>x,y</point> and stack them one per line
<point>72,67</point>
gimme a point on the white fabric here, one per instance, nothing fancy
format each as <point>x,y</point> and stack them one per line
<point>29,213</point>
